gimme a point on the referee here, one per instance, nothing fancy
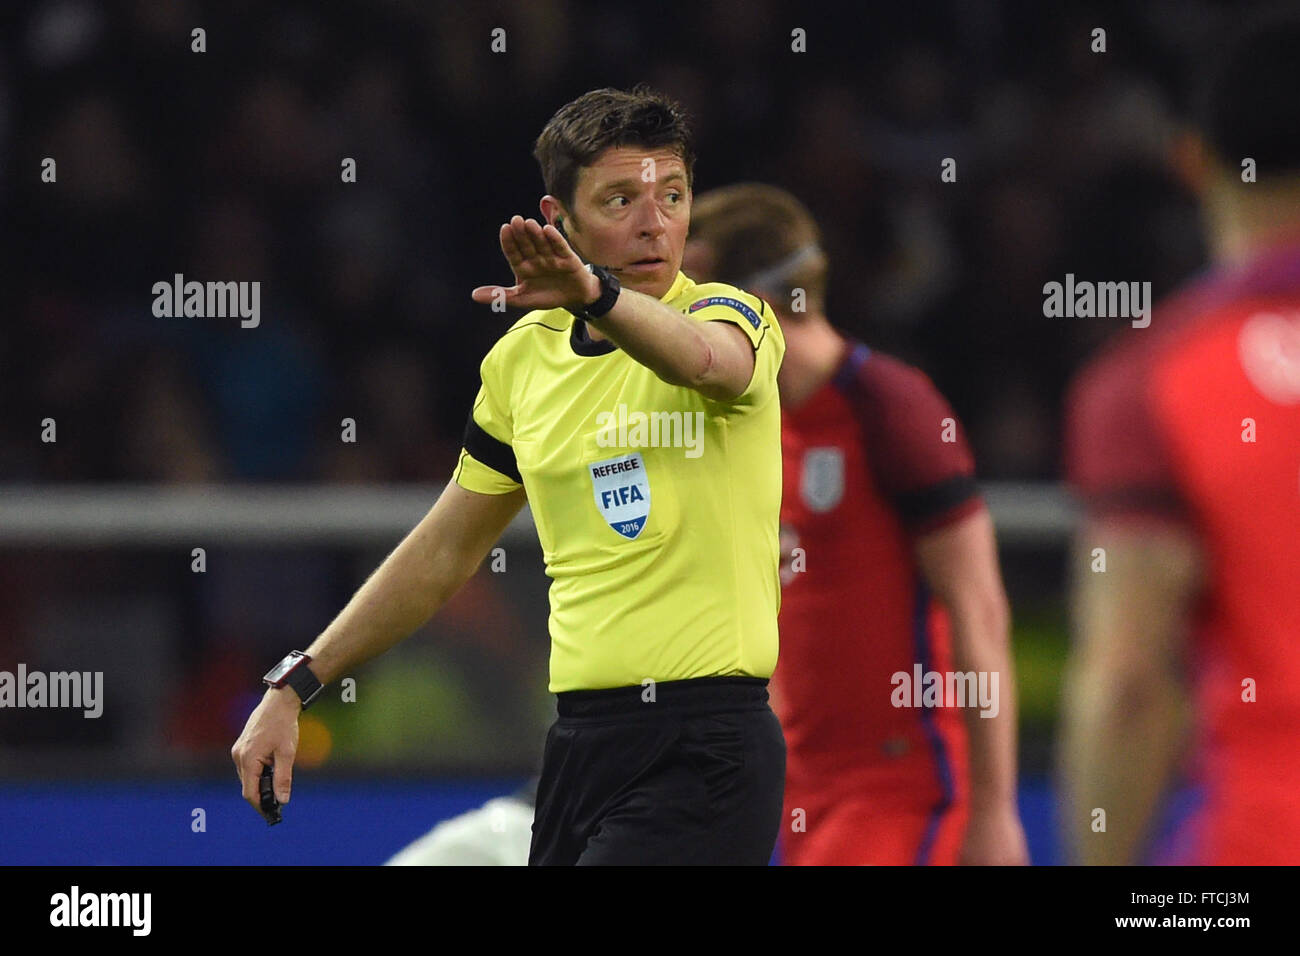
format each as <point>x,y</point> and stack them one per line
<point>637,412</point>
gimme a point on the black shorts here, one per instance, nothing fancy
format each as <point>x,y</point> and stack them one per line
<point>695,777</point>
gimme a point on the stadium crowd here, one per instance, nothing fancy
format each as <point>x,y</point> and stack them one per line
<point>229,165</point>
<point>226,165</point>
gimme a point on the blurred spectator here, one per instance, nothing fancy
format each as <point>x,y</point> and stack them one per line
<point>240,163</point>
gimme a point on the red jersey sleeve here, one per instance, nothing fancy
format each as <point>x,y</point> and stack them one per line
<point>1116,457</point>
<point>917,448</point>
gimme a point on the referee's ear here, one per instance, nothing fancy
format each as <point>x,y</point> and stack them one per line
<point>553,210</point>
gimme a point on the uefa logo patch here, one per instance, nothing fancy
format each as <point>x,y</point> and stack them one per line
<point>622,491</point>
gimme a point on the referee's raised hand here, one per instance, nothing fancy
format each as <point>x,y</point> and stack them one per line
<point>548,273</point>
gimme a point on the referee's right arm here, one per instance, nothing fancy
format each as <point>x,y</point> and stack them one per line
<point>422,573</point>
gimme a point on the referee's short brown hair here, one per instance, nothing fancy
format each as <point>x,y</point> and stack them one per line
<point>583,129</point>
<point>762,239</point>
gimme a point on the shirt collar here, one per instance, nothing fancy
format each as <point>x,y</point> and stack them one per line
<point>680,285</point>
<point>582,343</point>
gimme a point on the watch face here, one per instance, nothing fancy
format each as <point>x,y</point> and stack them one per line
<point>281,670</point>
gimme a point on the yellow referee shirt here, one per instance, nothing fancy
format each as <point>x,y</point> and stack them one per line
<point>657,508</point>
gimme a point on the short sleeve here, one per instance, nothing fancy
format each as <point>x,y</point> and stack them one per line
<point>755,318</point>
<point>487,461</point>
<point>1116,457</point>
<point>918,451</point>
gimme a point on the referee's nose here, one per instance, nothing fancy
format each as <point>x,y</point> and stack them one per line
<point>651,223</point>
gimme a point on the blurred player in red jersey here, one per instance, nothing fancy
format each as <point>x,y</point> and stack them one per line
<point>1184,443</point>
<point>889,568</point>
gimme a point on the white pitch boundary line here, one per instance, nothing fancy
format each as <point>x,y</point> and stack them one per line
<point>88,516</point>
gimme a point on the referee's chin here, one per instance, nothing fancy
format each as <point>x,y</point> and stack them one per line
<point>653,282</point>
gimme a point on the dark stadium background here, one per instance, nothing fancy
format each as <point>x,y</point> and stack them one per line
<point>226,165</point>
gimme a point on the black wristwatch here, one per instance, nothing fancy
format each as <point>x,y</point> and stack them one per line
<point>609,289</point>
<point>293,670</point>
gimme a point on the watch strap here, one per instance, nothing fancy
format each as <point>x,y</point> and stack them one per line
<point>293,670</point>
<point>609,290</point>
<point>304,684</point>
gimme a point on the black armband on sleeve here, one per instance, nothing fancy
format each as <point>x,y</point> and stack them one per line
<point>496,454</point>
<point>919,506</point>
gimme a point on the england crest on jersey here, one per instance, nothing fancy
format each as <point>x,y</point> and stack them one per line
<point>622,491</point>
<point>822,484</point>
